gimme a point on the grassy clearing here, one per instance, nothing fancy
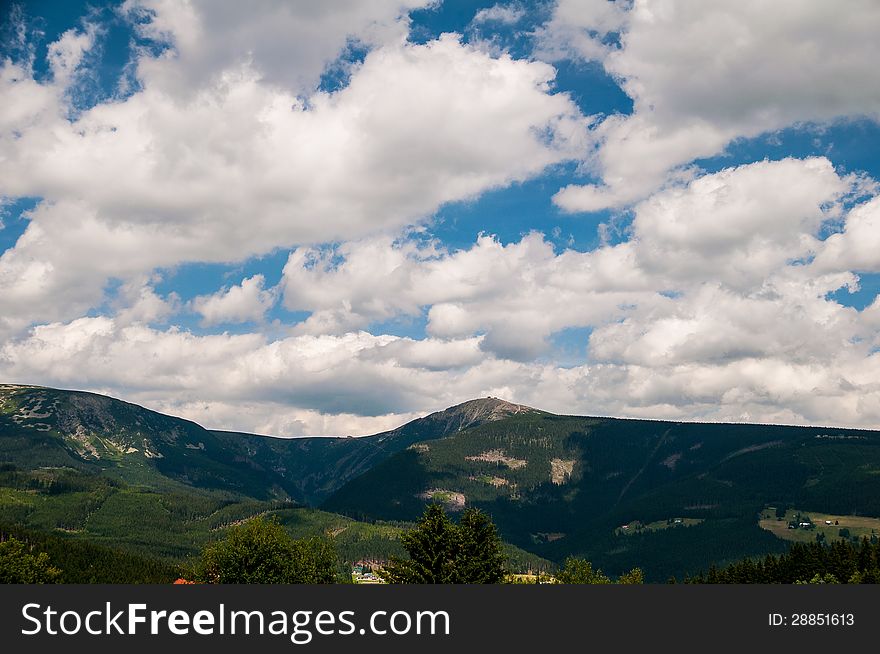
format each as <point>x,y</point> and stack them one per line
<point>638,527</point>
<point>859,526</point>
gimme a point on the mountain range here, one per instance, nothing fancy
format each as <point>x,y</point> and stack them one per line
<point>671,497</point>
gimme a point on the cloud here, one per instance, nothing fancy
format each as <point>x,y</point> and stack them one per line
<point>279,419</point>
<point>66,54</point>
<point>735,252</point>
<point>287,44</point>
<point>309,379</point>
<point>717,304</point>
<point>498,13</point>
<point>238,167</point>
<point>789,321</point>
<point>858,246</point>
<point>722,357</point>
<point>744,330</point>
<point>704,73</point>
<point>246,302</point>
<point>719,297</point>
<point>715,308</point>
<point>516,295</point>
<point>577,29</point>
<point>136,301</point>
<point>739,225</point>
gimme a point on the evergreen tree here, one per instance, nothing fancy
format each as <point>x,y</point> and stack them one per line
<point>441,552</point>
<point>838,562</point>
<point>479,558</point>
<point>431,551</point>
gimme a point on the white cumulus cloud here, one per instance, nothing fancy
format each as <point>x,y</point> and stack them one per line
<point>717,303</point>
<point>244,302</point>
<point>238,167</point>
<point>704,73</point>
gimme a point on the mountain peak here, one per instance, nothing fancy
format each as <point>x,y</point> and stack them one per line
<point>476,412</point>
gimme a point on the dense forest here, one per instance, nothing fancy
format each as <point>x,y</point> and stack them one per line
<point>82,562</point>
<point>436,549</point>
<point>842,561</point>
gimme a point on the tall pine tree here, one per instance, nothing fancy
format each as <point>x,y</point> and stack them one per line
<point>479,558</point>
<point>441,552</point>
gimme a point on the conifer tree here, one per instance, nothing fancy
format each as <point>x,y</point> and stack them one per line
<point>441,552</point>
<point>479,558</point>
<point>430,547</point>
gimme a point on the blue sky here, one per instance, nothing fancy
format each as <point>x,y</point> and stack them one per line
<point>397,205</point>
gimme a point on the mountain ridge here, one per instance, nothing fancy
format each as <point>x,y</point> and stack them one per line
<point>83,428</point>
<point>80,465</point>
<point>555,485</point>
<point>566,485</point>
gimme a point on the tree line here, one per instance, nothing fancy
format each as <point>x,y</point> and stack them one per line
<point>438,551</point>
<point>26,556</point>
<point>841,561</point>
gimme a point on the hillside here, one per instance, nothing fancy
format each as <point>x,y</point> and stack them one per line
<point>313,468</point>
<point>97,471</point>
<point>85,431</point>
<point>43,427</point>
<point>689,494</point>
